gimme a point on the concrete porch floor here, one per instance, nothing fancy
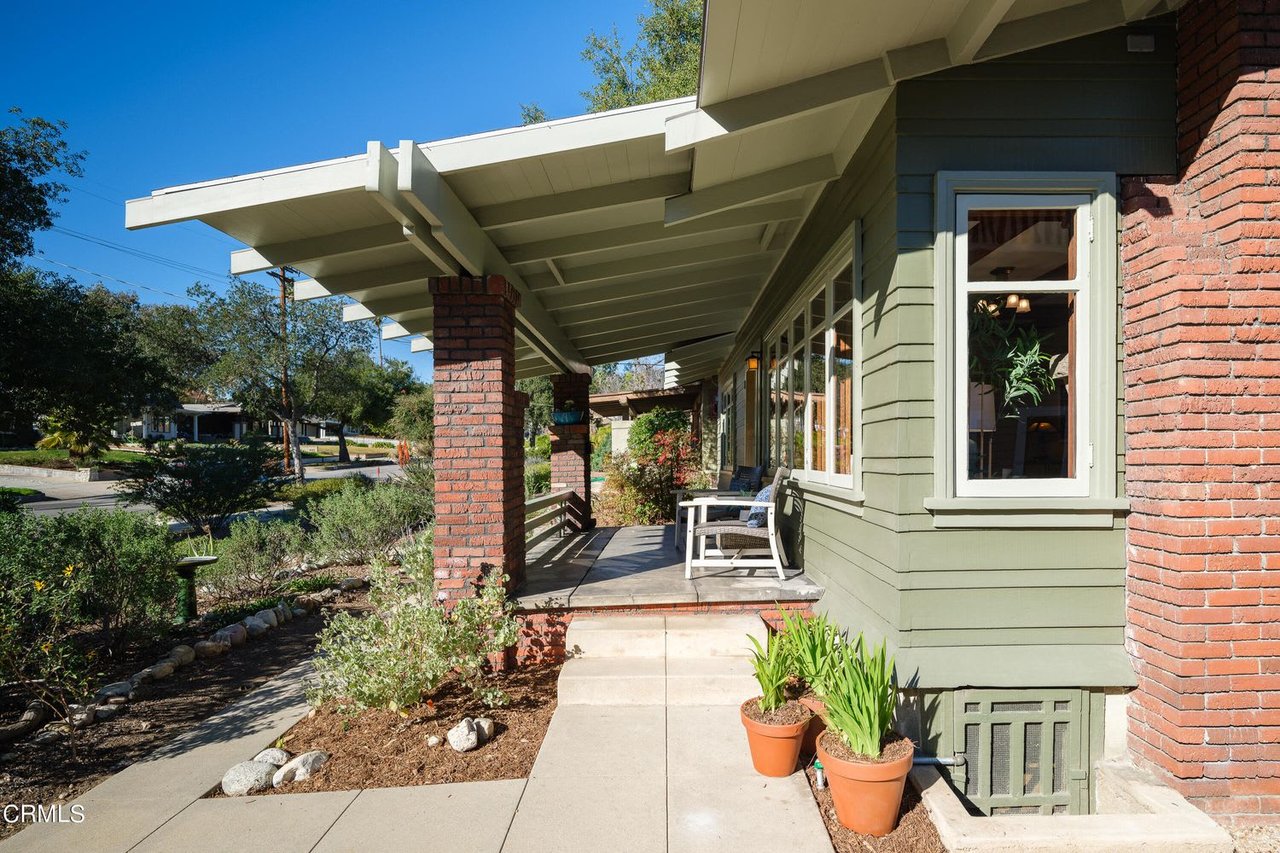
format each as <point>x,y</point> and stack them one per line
<point>619,566</point>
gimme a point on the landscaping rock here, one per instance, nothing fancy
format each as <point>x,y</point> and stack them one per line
<point>47,736</point>
<point>352,584</point>
<point>247,777</point>
<point>283,613</point>
<point>463,737</point>
<point>434,740</point>
<point>106,712</point>
<point>267,617</point>
<point>275,756</point>
<point>115,690</point>
<point>254,626</point>
<point>298,612</point>
<point>81,716</point>
<point>234,633</point>
<point>484,727</point>
<point>160,670</point>
<point>212,648</point>
<point>182,655</point>
<point>309,603</point>
<point>300,768</point>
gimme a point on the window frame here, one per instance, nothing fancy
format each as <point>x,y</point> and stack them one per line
<point>1092,500</point>
<point>845,252</point>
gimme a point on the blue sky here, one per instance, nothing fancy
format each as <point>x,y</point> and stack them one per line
<point>167,93</point>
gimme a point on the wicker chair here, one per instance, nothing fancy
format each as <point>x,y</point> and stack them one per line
<point>737,544</point>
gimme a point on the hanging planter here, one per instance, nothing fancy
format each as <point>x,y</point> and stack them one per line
<point>569,416</point>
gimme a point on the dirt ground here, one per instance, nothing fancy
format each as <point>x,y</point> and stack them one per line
<point>383,749</point>
<point>914,833</point>
<point>49,773</point>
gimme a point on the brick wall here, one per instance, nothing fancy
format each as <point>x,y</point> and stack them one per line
<point>542,632</point>
<point>1201,314</point>
<point>571,447</point>
<point>479,451</point>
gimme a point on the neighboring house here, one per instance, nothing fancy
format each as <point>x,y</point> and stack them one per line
<point>213,422</point>
<point>865,205</point>
<point>622,407</point>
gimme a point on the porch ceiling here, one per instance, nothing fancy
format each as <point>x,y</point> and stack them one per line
<point>645,230</point>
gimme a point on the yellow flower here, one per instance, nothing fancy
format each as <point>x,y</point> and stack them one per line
<point>45,648</point>
<point>66,573</point>
<point>39,585</point>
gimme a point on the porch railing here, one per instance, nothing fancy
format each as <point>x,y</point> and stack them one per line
<point>548,515</point>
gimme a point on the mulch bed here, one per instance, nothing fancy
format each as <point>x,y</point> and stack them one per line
<point>915,832</point>
<point>46,774</point>
<point>385,749</point>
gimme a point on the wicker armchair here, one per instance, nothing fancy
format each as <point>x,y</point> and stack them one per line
<point>737,543</point>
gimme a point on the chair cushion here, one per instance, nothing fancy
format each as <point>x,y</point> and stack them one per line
<point>759,516</point>
<point>719,528</point>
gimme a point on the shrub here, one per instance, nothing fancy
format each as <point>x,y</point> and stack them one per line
<point>204,485</point>
<point>642,492</point>
<point>310,583</point>
<point>541,449</point>
<point>813,649</point>
<point>537,479</point>
<point>128,561</point>
<point>12,497</point>
<point>601,447</point>
<point>640,441</point>
<point>359,524</point>
<point>419,477</point>
<point>250,556</point>
<point>307,494</point>
<point>402,651</point>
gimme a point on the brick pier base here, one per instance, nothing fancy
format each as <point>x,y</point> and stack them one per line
<point>571,447</point>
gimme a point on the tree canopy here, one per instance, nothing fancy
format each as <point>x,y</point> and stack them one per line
<point>30,152</point>
<point>662,64</point>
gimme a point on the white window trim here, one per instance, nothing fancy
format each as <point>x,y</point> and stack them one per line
<point>1096,493</point>
<point>844,251</point>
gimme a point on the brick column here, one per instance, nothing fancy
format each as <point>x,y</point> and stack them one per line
<point>571,446</point>
<point>1201,278</point>
<point>479,451</point>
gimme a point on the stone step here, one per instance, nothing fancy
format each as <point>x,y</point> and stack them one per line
<point>699,635</point>
<point>613,681</point>
<point>710,681</point>
<point>616,637</point>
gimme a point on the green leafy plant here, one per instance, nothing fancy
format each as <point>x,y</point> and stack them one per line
<point>307,494</point>
<point>400,653</point>
<point>770,663</point>
<point>358,525</point>
<point>310,583</point>
<point>1009,357</point>
<point>82,440</point>
<point>250,556</point>
<point>537,479</point>
<point>862,696</point>
<point>204,485</point>
<point>813,649</point>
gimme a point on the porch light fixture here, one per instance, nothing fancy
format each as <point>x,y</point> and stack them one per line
<point>753,361</point>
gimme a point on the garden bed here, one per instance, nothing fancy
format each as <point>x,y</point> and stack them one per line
<point>915,832</point>
<point>48,773</point>
<point>378,748</point>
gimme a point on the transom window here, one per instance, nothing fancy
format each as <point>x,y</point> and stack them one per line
<point>813,377</point>
<point>1022,363</point>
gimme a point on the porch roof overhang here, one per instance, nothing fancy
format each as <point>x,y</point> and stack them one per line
<point>645,230</point>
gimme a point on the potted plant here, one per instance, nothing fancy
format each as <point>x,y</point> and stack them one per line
<point>775,724</point>
<point>812,649</point>
<point>866,762</point>
<point>566,413</point>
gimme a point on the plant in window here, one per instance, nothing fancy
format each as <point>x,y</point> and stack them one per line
<point>1010,358</point>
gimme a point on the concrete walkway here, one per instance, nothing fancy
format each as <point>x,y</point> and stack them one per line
<point>646,754</point>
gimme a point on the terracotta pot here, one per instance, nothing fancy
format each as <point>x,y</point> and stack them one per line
<point>816,725</point>
<point>775,750</point>
<point>867,796</point>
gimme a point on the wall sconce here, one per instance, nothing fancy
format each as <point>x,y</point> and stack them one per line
<point>753,361</point>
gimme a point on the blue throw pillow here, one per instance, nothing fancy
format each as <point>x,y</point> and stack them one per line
<point>759,516</point>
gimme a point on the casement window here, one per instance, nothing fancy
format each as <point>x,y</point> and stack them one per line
<point>1026,350</point>
<point>814,375</point>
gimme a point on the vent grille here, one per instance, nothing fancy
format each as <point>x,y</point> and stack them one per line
<point>1023,755</point>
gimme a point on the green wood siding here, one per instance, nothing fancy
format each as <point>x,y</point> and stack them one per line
<point>981,607</point>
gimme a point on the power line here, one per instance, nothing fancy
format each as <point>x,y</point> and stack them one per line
<point>171,263</point>
<point>217,237</point>
<point>122,281</point>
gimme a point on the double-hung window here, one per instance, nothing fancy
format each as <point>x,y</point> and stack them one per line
<point>813,381</point>
<point>1026,338</point>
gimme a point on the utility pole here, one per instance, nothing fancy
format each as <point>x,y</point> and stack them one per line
<point>283,276</point>
<point>377,324</point>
